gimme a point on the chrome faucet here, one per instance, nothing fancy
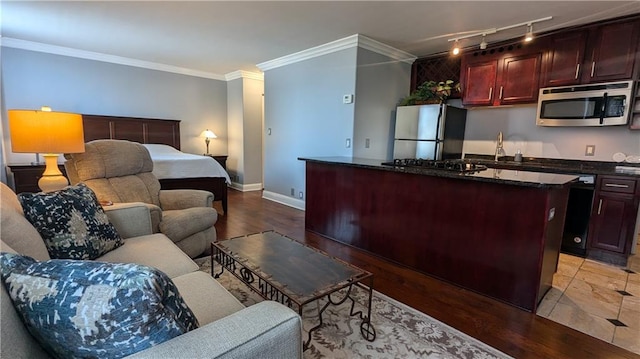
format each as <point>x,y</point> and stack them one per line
<point>499,147</point>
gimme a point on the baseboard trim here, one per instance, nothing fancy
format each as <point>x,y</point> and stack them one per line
<point>282,199</point>
<point>246,187</point>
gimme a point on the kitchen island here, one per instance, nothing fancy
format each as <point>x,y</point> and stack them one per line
<point>496,232</point>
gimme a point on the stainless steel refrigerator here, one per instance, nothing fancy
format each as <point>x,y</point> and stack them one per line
<point>432,132</point>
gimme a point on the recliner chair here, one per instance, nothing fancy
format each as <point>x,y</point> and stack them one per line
<point>121,171</point>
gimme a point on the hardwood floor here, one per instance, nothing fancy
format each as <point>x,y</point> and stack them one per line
<point>511,330</point>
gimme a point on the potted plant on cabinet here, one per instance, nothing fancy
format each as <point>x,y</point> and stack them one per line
<point>430,92</point>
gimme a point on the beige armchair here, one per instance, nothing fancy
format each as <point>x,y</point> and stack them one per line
<point>120,171</point>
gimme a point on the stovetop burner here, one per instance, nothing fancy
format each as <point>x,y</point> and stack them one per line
<point>447,165</point>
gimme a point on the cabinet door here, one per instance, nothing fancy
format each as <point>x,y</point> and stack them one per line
<point>613,52</point>
<point>479,83</point>
<point>612,221</point>
<point>564,59</point>
<point>519,79</point>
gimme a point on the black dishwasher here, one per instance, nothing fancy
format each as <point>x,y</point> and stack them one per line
<point>576,224</point>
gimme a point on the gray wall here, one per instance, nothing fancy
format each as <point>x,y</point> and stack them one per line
<point>380,84</point>
<point>304,110</point>
<point>519,127</point>
<point>33,79</point>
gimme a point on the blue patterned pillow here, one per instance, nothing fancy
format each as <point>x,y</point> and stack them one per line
<point>71,222</point>
<point>94,309</point>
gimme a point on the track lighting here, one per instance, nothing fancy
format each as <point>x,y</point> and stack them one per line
<point>529,35</point>
<point>456,48</point>
<point>483,45</point>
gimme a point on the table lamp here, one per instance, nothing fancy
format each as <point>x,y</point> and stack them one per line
<point>49,133</point>
<point>208,135</point>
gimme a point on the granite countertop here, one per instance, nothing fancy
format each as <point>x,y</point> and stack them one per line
<point>552,165</point>
<point>506,176</point>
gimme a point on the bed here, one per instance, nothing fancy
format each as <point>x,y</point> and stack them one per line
<point>173,168</point>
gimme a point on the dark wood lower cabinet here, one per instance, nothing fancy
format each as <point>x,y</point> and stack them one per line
<point>613,219</point>
<point>495,239</point>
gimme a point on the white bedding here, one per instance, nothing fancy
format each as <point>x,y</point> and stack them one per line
<point>169,162</point>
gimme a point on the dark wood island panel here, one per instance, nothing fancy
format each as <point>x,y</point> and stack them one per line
<point>491,237</point>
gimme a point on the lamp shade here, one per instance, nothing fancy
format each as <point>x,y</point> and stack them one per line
<point>209,134</point>
<point>34,131</point>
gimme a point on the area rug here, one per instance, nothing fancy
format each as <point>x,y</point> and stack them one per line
<point>402,332</point>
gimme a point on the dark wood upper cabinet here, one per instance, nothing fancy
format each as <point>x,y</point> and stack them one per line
<point>598,53</point>
<point>478,82</point>
<point>613,52</point>
<point>512,72</point>
<point>563,60</point>
<point>520,78</point>
<point>501,76</point>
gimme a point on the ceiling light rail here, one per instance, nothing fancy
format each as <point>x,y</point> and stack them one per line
<point>484,33</point>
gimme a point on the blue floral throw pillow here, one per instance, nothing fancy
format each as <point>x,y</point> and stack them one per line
<point>94,309</point>
<point>71,222</point>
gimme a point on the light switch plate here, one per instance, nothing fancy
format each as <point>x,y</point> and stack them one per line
<point>347,98</point>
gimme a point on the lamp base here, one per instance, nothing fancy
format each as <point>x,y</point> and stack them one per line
<point>52,179</point>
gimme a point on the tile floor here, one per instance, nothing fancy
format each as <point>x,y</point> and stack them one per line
<point>597,299</point>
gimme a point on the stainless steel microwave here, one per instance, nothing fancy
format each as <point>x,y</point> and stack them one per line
<point>605,104</point>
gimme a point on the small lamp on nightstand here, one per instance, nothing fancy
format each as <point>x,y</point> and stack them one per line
<point>50,133</point>
<point>208,135</point>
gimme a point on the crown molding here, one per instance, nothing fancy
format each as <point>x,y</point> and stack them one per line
<point>356,40</point>
<point>244,74</point>
<point>96,56</point>
<point>310,53</point>
<point>384,49</point>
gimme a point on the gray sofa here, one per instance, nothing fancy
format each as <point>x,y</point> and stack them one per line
<point>227,329</point>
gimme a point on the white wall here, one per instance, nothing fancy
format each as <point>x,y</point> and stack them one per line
<point>244,107</point>
<point>518,124</point>
<point>252,104</point>
<point>235,125</point>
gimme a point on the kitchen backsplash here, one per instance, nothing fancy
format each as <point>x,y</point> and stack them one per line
<point>518,125</point>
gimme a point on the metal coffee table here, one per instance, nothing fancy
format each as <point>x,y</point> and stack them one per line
<point>281,269</point>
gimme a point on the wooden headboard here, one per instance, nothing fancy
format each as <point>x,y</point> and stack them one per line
<point>142,130</point>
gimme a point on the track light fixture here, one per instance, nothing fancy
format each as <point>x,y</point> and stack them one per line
<point>456,48</point>
<point>529,35</point>
<point>483,45</point>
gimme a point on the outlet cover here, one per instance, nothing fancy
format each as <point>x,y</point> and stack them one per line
<point>347,98</point>
<point>590,150</point>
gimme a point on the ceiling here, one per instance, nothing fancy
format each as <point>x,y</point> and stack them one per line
<point>219,37</point>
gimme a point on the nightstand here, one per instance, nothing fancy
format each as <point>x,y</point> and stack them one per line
<point>222,160</point>
<point>25,176</point>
